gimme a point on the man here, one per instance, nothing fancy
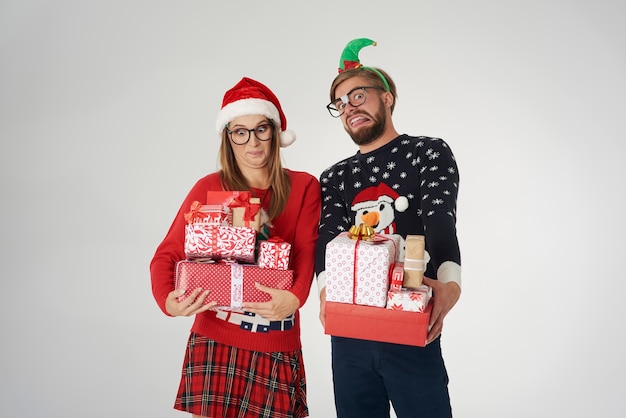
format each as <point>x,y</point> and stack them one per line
<point>396,184</point>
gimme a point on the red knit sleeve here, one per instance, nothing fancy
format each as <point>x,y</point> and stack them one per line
<point>298,224</point>
<point>171,249</point>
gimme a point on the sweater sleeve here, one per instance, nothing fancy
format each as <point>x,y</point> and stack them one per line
<point>439,181</point>
<point>298,224</point>
<point>171,249</point>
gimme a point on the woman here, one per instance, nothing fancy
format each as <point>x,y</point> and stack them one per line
<point>229,371</point>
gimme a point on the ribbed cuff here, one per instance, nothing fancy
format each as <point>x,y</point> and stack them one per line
<point>321,281</point>
<point>449,271</point>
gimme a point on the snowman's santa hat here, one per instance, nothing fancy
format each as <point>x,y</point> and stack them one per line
<point>378,194</point>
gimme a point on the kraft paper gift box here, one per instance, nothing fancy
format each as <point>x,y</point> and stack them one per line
<point>230,284</point>
<point>414,261</point>
<point>240,207</point>
<point>274,254</point>
<point>377,324</point>
<point>220,242</point>
<point>410,300</point>
<point>246,212</point>
<point>358,270</point>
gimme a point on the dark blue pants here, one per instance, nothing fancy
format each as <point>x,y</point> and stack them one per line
<point>367,375</point>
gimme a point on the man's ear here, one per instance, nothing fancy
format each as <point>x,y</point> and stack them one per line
<point>388,99</point>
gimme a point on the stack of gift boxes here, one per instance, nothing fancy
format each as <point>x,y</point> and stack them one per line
<point>374,287</point>
<point>225,255</point>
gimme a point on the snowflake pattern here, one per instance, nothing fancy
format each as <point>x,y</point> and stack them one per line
<point>422,169</point>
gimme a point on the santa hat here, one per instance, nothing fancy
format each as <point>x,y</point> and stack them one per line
<point>249,97</point>
<point>382,192</point>
<point>350,58</point>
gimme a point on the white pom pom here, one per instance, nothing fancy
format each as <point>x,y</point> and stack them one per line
<point>287,137</point>
<point>402,204</point>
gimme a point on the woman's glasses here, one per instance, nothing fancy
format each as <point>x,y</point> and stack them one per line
<point>241,135</point>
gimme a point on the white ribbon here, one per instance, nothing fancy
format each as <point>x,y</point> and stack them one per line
<point>236,285</point>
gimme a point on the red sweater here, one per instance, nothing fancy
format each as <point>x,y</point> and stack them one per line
<point>297,224</point>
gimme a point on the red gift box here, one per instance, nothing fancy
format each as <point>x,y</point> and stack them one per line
<point>274,254</point>
<point>397,276</point>
<point>377,324</point>
<point>230,284</point>
<point>219,242</point>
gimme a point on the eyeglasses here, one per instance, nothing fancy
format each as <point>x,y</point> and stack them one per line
<point>356,97</point>
<point>241,136</point>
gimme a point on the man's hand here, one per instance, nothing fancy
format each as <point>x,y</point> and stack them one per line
<point>191,305</point>
<point>283,304</point>
<point>445,296</point>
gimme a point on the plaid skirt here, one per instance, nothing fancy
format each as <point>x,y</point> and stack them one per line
<point>220,381</point>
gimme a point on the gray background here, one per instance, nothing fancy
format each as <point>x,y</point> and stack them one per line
<point>107,114</point>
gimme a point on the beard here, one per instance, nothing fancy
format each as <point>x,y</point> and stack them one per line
<point>369,134</point>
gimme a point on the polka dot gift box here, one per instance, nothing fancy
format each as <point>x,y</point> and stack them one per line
<point>230,284</point>
<point>358,270</point>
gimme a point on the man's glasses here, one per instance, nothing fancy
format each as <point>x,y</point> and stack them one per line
<point>241,136</point>
<point>356,97</point>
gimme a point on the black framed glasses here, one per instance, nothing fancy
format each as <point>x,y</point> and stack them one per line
<point>356,97</point>
<point>241,135</point>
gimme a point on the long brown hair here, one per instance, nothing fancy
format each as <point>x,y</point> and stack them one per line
<point>372,77</point>
<point>233,179</point>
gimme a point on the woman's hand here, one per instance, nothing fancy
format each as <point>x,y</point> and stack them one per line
<point>191,305</point>
<point>283,304</point>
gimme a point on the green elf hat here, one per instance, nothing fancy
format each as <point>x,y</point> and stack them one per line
<point>350,57</point>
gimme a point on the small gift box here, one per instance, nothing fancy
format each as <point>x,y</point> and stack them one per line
<point>410,300</point>
<point>358,267</point>
<point>377,324</point>
<point>246,211</point>
<point>414,261</point>
<point>206,214</point>
<point>397,276</point>
<point>230,284</point>
<point>274,254</point>
<point>225,199</point>
<point>220,242</point>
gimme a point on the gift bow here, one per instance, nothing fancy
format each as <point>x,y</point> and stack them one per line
<point>195,212</point>
<point>361,232</point>
<point>275,239</point>
<point>250,209</point>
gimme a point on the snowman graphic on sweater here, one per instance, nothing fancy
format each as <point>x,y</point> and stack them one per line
<point>375,206</point>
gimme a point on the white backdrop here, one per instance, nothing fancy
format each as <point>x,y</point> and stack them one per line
<point>107,113</point>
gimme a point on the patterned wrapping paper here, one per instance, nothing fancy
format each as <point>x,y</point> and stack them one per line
<point>220,242</point>
<point>274,254</point>
<point>397,276</point>
<point>206,214</point>
<point>230,284</point>
<point>363,263</point>
<point>410,300</point>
